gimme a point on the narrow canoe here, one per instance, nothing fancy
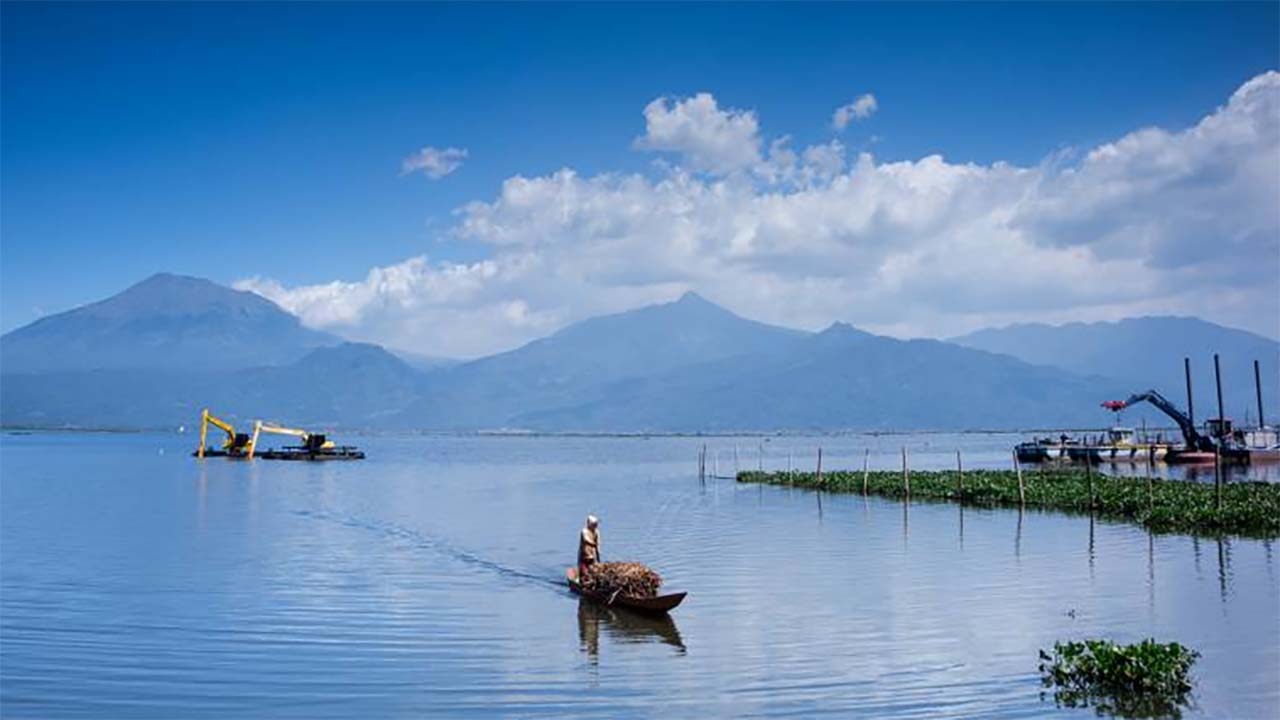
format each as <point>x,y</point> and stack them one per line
<point>654,605</point>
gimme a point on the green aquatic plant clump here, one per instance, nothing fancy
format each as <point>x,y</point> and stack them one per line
<point>1146,679</point>
<point>1250,509</point>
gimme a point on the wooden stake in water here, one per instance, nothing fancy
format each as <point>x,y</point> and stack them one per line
<point>789,477</point>
<point>1217,476</point>
<point>760,467</point>
<point>1088,471</point>
<point>819,467</point>
<point>959,475</point>
<point>866,455</point>
<point>906,474</point>
<point>1150,497</point>
<point>1022,490</point>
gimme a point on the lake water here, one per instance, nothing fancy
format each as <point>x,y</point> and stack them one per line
<point>138,582</point>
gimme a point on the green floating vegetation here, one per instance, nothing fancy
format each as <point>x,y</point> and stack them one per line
<point>1250,509</point>
<point>1143,680</point>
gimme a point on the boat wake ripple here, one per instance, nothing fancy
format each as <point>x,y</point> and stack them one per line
<point>425,541</point>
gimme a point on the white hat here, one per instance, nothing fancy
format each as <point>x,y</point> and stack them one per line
<point>592,521</point>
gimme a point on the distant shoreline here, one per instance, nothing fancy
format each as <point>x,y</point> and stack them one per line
<point>24,429</point>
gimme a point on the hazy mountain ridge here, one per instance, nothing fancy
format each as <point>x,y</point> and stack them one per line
<point>1148,352</point>
<point>166,322</point>
<point>350,385</point>
<point>580,363</point>
<point>688,365</point>
<point>845,378</point>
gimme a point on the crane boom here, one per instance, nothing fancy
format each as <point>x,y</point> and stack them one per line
<point>235,442</point>
<point>1195,441</point>
<point>309,440</point>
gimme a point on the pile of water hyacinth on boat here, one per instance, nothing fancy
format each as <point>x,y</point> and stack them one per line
<point>631,579</point>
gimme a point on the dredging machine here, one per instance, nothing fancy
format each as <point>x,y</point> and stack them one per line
<point>237,445</point>
<point>1196,447</point>
<point>311,446</point>
<point>1219,441</point>
<point>243,446</point>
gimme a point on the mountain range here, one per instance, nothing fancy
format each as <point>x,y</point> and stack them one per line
<point>166,322</point>
<point>156,353</point>
<point>1148,352</point>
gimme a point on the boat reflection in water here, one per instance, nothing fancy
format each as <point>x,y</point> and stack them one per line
<point>623,626</point>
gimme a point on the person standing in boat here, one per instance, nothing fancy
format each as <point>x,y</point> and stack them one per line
<point>588,546</point>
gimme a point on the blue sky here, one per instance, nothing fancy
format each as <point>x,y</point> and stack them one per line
<point>239,141</point>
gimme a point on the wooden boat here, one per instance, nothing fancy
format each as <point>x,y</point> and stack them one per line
<point>654,605</point>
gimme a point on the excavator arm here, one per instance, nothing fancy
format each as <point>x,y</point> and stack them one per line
<point>1194,440</point>
<point>233,443</point>
<point>309,440</point>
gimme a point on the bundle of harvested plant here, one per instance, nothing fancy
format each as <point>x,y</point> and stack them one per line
<point>625,578</point>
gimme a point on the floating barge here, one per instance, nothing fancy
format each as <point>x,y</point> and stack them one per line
<point>1219,442</point>
<point>313,454</point>
<point>290,452</point>
<point>1117,446</point>
<point>1262,444</point>
<point>312,447</point>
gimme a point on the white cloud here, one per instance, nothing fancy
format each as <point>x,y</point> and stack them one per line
<point>1204,200</point>
<point>708,138</point>
<point>860,109</point>
<point>433,162</point>
<point>1157,221</point>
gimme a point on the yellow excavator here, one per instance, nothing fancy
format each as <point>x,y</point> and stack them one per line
<point>311,443</point>
<point>236,444</point>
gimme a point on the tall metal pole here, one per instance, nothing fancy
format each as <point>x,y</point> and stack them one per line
<point>1217,378</point>
<point>1191,410</point>
<point>1217,449</point>
<point>1257,386</point>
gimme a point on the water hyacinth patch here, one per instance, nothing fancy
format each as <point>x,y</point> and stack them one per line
<point>1146,679</point>
<point>1250,509</point>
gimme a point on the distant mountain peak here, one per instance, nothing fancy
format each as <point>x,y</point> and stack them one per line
<point>168,294</point>
<point>168,277</point>
<point>692,298</point>
<point>164,281</point>
<point>164,321</point>
<point>353,354</point>
<point>690,304</point>
<point>843,330</point>
<point>349,346</point>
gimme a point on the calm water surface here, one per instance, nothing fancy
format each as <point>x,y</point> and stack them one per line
<point>427,581</point>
